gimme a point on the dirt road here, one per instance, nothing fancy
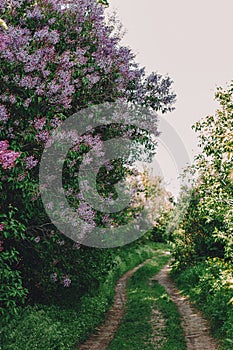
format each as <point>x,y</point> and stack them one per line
<point>196,328</point>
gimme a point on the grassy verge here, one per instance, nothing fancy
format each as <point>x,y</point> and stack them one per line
<point>135,331</point>
<point>53,327</point>
<point>209,285</point>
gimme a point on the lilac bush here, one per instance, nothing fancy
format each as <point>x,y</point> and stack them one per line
<point>55,60</point>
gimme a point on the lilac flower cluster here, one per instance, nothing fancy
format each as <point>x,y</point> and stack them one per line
<point>3,114</point>
<point>60,81</point>
<point>66,282</point>
<point>39,123</point>
<point>55,122</point>
<point>36,13</point>
<point>30,162</point>
<point>55,60</point>
<point>7,157</point>
<point>86,213</point>
<point>109,166</point>
<point>3,41</point>
<point>105,218</point>
<point>52,37</point>
<point>42,136</point>
<point>21,176</point>
<point>37,239</point>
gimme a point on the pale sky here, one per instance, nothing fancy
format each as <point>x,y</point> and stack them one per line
<point>192,41</point>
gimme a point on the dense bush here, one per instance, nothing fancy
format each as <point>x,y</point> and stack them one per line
<point>207,227</point>
<point>67,322</point>
<point>55,60</point>
<point>203,244</point>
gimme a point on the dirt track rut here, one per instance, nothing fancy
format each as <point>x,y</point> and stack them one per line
<point>196,328</point>
<point>106,331</point>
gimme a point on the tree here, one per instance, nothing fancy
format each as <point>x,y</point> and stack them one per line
<point>56,59</point>
<point>207,228</point>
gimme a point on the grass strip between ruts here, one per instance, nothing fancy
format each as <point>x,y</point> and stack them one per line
<point>135,331</point>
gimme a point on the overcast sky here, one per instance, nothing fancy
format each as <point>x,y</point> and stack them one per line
<point>192,41</point>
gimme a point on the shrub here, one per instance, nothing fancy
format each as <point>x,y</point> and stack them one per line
<point>56,60</point>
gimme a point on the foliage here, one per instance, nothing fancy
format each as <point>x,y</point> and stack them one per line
<point>150,193</point>
<point>11,288</point>
<point>64,323</point>
<point>103,2</point>
<point>203,242</point>
<point>160,208</point>
<point>207,227</point>
<point>56,59</point>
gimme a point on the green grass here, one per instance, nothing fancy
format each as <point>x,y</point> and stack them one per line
<point>135,330</point>
<point>62,327</point>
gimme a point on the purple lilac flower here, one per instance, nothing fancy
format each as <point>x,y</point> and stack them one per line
<point>30,162</point>
<point>42,136</point>
<point>12,99</point>
<point>52,20</point>
<point>37,239</point>
<point>29,82</point>
<point>105,218</point>
<point>86,212</point>
<point>55,122</point>
<point>93,78</point>
<point>4,145</point>
<point>80,56</point>
<point>45,73</point>
<point>87,159</point>
<point>66,282</point>
<point>3,114</point>
<point>10,133</point>
<point>51,37</point>
<point>2,227</point>
<point>27,102</point>
<point>22,176</point>
<point>3,41</point>
<point>8,158</point>
<point>3,97</point>
<point>109,166</point>
<point>35,13</point>
<point>6,79</point>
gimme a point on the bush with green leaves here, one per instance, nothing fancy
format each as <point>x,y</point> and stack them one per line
<point>56,59</point>
<point>67,322</point>
<point>203,242</point>
<point>207,227</point>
